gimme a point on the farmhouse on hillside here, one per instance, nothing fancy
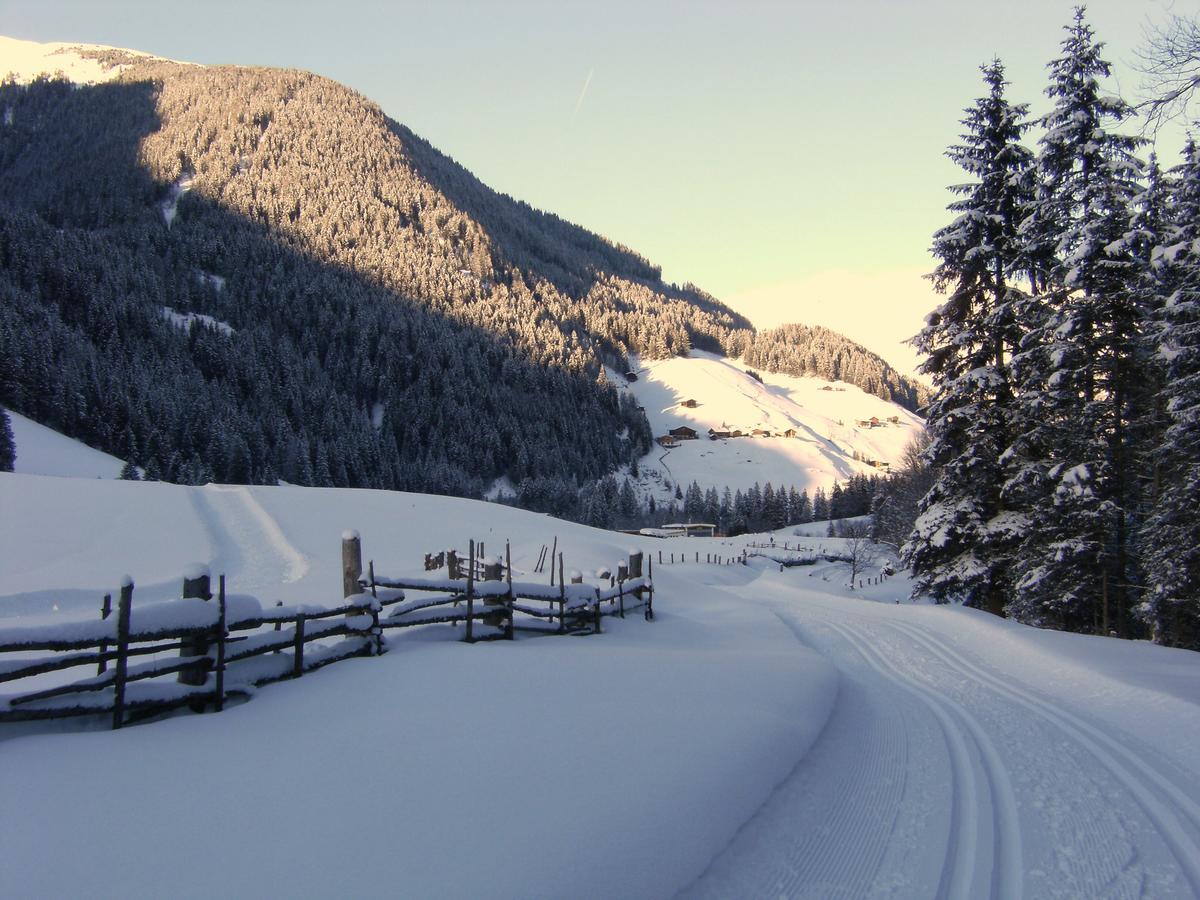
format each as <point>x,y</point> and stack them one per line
<point>683,433</point>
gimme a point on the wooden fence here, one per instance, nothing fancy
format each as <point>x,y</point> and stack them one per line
<point>227,648</point>
<point>482,591</point>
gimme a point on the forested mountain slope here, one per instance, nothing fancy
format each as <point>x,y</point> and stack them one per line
<point>386,319</point>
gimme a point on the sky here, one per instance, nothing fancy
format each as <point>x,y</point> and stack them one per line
<point>787,157</point>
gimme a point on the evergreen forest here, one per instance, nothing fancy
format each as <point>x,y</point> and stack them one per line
<point>1061,480</point>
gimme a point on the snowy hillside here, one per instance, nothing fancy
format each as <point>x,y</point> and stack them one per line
<point>28,59</point>
<point>44,451</point>
<point>771,733</point>
<point>825,418</point>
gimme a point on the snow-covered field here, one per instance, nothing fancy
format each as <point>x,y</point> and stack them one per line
<point>771,733</point>
<point>824,415</point>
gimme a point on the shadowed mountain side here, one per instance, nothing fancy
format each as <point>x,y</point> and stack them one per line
<point>323,375</point>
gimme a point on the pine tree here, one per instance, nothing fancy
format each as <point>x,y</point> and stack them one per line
<point>961,541</point>
<point>8,446</point>
<point>1171,538</point>
<point>820,506</point>
<point>804,509</point>
<point>1071,461</point>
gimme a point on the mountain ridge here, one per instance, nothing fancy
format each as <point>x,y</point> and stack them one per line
<point>296,204</point>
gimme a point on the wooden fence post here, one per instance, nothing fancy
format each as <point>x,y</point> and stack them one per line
<point>375,629</point>
<point>123,606</point>
<point>105,612</point>
<point>562,597</point>
<point>298,647</point>
<point>635,564</point>
<point>469,637</point>
<point>219,703</point>
<point>650,595</point>
<point>196,584</point>
<point>351,562</point>
<point>508,625</point>
<point>496,605</point>
<point>553,550</point>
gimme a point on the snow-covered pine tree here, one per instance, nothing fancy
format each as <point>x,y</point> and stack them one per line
<point>1070,462</point>
<point>1171,538</point>
<point>8,446</point>
<point>962,539</point>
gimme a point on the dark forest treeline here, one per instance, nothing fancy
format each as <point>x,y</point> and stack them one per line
<point>392,322</point>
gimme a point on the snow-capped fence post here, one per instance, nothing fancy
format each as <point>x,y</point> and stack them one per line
<point>469,637</point>
<point>376,631</point>
<point>219,700</point>
<point>635,564</point>
<point>298,647</point>
<point>123,607</point>
<point>508,605</point>
<point>105,612</point>
<point>452,565</point>
<point>649,589</point>
<point>496,604</point>
<point>197,584</point>
<point>562,597</point>
<point>351,562</point>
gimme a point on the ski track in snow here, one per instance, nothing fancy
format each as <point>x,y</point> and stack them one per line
<point>937,777</point>
<point>852,819</point>
<point>1174,814</point>
<point>969,826</point>
<point>249,547</point>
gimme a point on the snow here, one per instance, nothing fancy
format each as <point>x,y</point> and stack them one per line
<point>178,188</point>
<point>769,734</point>
<point>184,321</point>
<point>43,451</point>
<point>823,414</point>
<point>28,59</point>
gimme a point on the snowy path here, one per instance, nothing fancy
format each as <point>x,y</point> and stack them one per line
<point>248,545</point>
<point>944,775</point>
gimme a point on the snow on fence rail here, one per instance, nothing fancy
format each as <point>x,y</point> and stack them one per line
<point>196,640</point>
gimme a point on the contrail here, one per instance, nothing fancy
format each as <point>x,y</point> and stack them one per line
<point>583,91</point>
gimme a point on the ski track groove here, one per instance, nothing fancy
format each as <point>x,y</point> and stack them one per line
<point>247,542</point>
<point>963,848</point>
<point>1164,804</point>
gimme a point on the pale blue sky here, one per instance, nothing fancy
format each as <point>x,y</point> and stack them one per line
<point>748,147</point>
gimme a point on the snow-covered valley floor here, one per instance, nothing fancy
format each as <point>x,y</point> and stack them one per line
<point>770,734</point>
